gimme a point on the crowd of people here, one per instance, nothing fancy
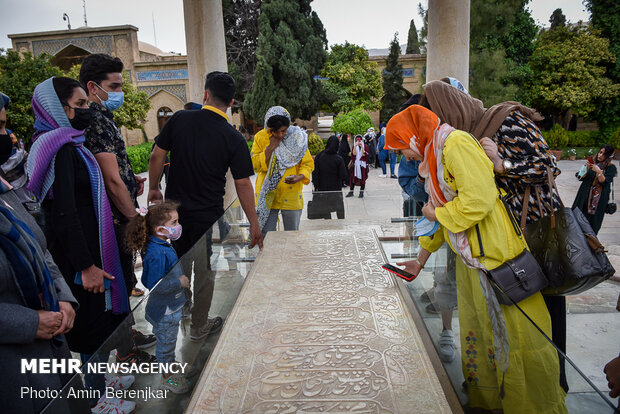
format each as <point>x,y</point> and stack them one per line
<point>71,227</point>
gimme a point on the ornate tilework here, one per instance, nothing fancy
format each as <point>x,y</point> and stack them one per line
<point>177,90</point>
<point>157,75</point>
<point>92,44</point>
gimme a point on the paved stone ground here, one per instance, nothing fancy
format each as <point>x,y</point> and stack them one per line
<point>593,323</point>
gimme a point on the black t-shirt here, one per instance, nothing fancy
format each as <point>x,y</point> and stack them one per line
<point>202,145</point>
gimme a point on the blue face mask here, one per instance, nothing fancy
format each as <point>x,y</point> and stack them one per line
<point>115,99</point>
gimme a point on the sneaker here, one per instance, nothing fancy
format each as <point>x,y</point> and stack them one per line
<point>447,351</point>
<point>393,176</point>
<point>137,356</point>
<point>212,326</point>
<point>119,383</point>
<point>382,175</point>
<point>361,194</point>
<point>175,383</point>
<point>430,308</point>
<point>350,194</point>
<point>143,341</point>
<point>107,405</point>
<point>137,292</point>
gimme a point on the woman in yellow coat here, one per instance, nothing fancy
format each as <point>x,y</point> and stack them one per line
<point>283,163</point>
<point>508,365</point>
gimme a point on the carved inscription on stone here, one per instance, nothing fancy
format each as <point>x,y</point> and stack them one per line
<point>319,327</point>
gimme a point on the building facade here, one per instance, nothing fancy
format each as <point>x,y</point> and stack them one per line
<point>163,76</point>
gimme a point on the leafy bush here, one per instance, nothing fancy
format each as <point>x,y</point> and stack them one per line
<point>614,141</point>
<point>354,122</point>
<point>556,137</point>
<point>315,144</point>
<point>250,143</point>
<point>139,157</point>
<point>583,138</point>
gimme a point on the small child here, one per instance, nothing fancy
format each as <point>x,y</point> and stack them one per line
<point>149,233</point>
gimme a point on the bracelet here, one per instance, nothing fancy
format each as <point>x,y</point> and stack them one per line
<point>418,262</point>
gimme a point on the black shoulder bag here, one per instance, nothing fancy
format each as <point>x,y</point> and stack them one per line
<point>516,279</point>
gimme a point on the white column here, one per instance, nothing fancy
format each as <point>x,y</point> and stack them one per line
<point>206,43</point>
<point>206,52</point>
<point>448,40</point>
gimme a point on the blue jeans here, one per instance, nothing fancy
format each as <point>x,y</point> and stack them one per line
<point>382,164</point>
<point>290,219</point>
<point>93,381</point>
<point>166,332</point>
<point>393,158</point>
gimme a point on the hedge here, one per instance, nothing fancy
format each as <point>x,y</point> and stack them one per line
<point>139,156</point>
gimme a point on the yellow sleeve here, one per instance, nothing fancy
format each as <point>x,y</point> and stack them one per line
<point>473,176</point>
<point>434,242</point>
<point>305,167</point>
<point>261,141</point>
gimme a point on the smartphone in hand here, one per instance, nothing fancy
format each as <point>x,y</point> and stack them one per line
<point>399,272</point>
<point>591,160</point>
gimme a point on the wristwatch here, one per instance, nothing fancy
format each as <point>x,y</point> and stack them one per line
<point>507,165</point>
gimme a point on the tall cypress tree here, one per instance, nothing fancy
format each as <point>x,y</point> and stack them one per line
<point>413,44</point>
<point>291,50</point>
<point>557,19</point>
<point>394,94</point>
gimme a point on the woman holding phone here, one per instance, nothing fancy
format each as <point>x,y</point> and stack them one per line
<point>284,165</point>
<point>507,364</point>
<point>596,178</point>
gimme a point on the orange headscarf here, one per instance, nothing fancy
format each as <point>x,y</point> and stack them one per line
<point>414,128</point>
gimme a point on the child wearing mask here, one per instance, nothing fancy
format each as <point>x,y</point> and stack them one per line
<point>150,233</point>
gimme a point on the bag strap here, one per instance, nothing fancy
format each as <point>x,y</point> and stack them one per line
<point>562,353</point>
<point>526,201</point>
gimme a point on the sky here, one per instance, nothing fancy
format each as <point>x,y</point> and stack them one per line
<point>361,22</point>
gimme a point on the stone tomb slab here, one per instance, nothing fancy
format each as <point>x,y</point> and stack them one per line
<point>319,327</point>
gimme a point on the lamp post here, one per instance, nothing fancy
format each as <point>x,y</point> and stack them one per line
<point>65,17</point>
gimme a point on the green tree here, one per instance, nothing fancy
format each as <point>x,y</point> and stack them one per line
<point>352,81</point>
<point>605,16</point>
<point>394,94</point>
<point>291,52</point>
<point>241,30</point>
<point>18,78</point>
<point>569,66</point>
<point>413,44</point>
<point>136,104</point>
<point>423,13</point>
<point>354,122</point>
<point>557,19</point>
<point>501,42</point>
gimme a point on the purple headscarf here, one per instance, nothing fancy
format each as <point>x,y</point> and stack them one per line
<point>53,131</point>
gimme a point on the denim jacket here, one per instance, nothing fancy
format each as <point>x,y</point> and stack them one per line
<point>160,265</point>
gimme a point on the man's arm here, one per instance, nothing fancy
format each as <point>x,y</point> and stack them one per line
<point>245,193</point>
<point>156,168</point>
<point>116,188</point>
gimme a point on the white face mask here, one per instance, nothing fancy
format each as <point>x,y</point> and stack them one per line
<point>424,227</point>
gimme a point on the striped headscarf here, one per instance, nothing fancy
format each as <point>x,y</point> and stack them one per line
<point>53,131</point>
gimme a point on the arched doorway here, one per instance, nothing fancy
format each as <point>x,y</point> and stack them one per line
<point>163,115</point>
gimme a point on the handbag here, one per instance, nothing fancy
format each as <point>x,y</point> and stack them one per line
<point>567,250</point>
<point>518,278</point>
<point>611,206</point>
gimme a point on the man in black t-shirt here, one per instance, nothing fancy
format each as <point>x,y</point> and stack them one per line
<point>203,146</point>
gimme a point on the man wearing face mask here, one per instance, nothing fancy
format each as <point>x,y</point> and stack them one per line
<point>102,76</point>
